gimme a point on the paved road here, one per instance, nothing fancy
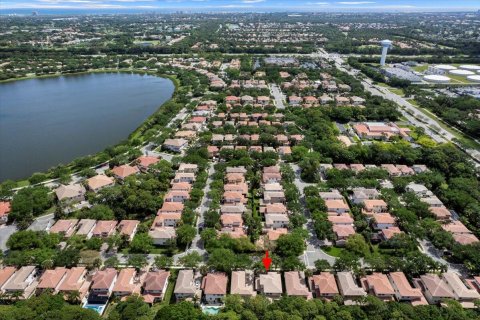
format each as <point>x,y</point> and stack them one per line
<point>279,97</point>
<point>313,251</point>
<point>415,115</point>
<point>197,243</point>
<point>429,249</point>
<point>5,233</point>
<point>42,223</point>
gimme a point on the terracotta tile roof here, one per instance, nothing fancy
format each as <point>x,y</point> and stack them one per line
<point>389,233</point>
<point>458,287</point>
<point>215,283</point>
<point>456,227</point>
<point>171,207</point>
<point>5,274</point>
<point>342,219</point>
<point>275,234</point>
<point>436,286</point>
<point>127,227</point>
<point>65,226</point>
<point>103,279</point>
<point>156,280</point>
<point>147,161</point>
<point>50,279</point>
<point>99,181</point>
<point>104,226</point>
<point>383,218</point>
<point>74,279</point>
<point>295,284</point>
<point>4,208</point>
<point>465,238</point>
<point>125,281</point>
<point>325,283</point>
<point>379,284</point>
<point>124,171</point>
<point>343,231</point>
<point>402,286</point>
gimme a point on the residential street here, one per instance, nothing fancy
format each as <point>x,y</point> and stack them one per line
<point>278,96</point>
<point>313,251</point>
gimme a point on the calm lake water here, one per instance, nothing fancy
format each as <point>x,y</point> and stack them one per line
<point>44,122</point>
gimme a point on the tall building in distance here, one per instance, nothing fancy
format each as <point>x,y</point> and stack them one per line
<point>386,44</point>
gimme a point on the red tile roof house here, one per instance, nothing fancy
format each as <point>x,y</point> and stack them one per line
<point>234,178</point>
<point>434,288</point>
<point>51,280</point>
<point>241,187</point>
<point>296,284</point>
<point>4,211</point>
<point>389,233</point>
<point>463,294</point>
<point>271,177</point>
<point>103,282</point>
<point>185,134</point>
<point>214,286</point>
<point>371,206</point>
<point>284,150</point>
<point>144,162</point>
<point>294,100</point>
<point>232,197</point>
<point>155,285</point>
<point>342,232</point>
<point>275,208</point>
<point>231,220</point>
<point>382,221</point>
<point>391,169</point>
<point>175,145</point>
<point>404,291</point>
<point>274,234</point>
<point>232,99</point>
<point>24,280</point>
<point>441,213</point>
<point>334,194</point>
<point>75,281</point>
<point>270,285</point>
<point>104,228</point>
<point>323,285</point>
<point>177,196</point>
<point>128,228</point>
<point>124,171</point>
<point>236,209</point>
<point>181,186</point>
<point>379,285</point>
<point>337,206</point>
<point>243,283</point>
<point>171,207</point>
<point>70,193</point>
<point>167,219</point>
<point>99,182</point>
<point>263,100</point>
<point>212,151</point>
<point>65,228</point>
<point>343,219</point>
<point>127,283</point>
<point>5,274</point>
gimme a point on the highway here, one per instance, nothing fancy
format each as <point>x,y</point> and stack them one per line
<point>413,114</point>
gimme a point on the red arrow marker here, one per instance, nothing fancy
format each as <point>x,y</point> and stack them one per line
<point>266,261</point>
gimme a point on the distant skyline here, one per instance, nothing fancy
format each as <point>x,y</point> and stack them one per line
<point>243,5</point>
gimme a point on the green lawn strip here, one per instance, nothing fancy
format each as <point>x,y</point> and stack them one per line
<point>334,251</point>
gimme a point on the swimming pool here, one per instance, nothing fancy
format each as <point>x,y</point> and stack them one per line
<point>211,310</point>
<point>96,307</point>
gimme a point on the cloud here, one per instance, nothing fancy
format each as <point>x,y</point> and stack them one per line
<point>355,2</point>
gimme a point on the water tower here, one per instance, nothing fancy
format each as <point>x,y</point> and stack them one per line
<point>386,44</point>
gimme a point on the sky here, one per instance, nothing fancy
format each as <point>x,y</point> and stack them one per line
<point>245,5</point>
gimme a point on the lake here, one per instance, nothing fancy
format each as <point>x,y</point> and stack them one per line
<point>45,122</point>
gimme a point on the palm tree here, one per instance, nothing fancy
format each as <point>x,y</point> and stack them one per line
<point>73,297</point>
<point>47,264</point>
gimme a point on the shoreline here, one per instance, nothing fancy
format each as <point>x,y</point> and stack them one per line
<point>135,134</point>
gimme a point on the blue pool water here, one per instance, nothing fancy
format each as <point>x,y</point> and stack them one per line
<point>96,307</point>
<point>211,310</point>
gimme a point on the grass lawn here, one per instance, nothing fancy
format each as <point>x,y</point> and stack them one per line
<point>334,251</point>
<point>23,183</point>
<point>421,68</point>
<point>397,91</point>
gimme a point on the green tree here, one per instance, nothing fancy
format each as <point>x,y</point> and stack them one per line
<point>191,260</point>
<point>141,243</point>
